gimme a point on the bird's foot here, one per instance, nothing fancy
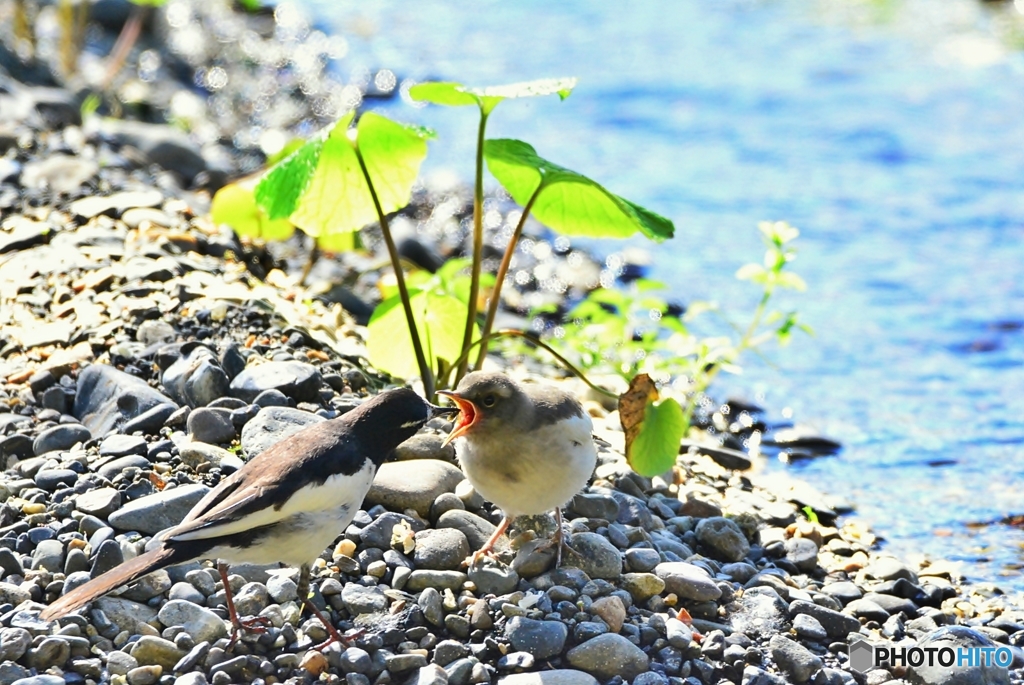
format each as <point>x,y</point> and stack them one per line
<point>254,624</point>
<point>335,636</point>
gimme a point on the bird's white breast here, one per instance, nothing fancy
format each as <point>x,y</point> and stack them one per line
<point>539,471</point>
<point>312,518</point>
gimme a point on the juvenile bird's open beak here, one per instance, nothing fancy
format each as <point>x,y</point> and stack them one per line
<point>467,415</point>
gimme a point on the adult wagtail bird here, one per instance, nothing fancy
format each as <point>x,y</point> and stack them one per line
<point>527,448</point>
<point>286,505</point>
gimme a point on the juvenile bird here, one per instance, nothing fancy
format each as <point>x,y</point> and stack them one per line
<point>286,505</point>
<point>527,448</point>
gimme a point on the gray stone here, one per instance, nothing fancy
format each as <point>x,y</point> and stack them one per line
<point>493,579</point>
<point>836,624</point>
<point>196,378</point>
<point>151,420</point>
<point>144,675</point>
<point>642,586</point>
<point>561,676</point>
<point>642,559</point>
<point>796,660</point>
<point>107,397</point>
<point>413,484</point>
<point>114,467</point>
<point>810,628</point>
<point>282,588</point>
<point>14,642</point>
<point>61,437</point>
<point>887,568</point>
<point>297,380</point>
<point>51,479</point>
<point>378,534</point>
<point>844,591</point>
<point>598,558</point>
<point>399,663</point>
<point>447,651</point>
<point>118,445</point>
<point>442,549</point>
<point>595,506</point>
<point>723,538</point>
<point>51,652</point>
<point>431,604</point>
<point>211,425</point>
<point>739,571</point>
<point>119,663</point>
<point>440,580</point>
<point>752,675</point>
<point>802,553</point>
<point>100,502</point>
<point>195,453</point>
<point>542,639</point>
<point>199,622</point>
<point>187,592</point>
<point>957,637</point>
<point>13,594</point>
<point>137,619</point>
<point>688,581</point>
<point>148,586</point>
<point>476,528</point>
<point>49,555</point>
<point>273,424</point>
<point>363,600</point>
<point>152,650</point>
<point>153,513</point>
<point>609,655</point>
<point>868,610</point>
<point>425,446</point>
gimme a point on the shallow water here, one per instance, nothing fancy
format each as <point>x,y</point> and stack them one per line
<point>890,133</point>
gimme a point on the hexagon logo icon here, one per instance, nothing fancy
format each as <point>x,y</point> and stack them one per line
<point>862,656</point>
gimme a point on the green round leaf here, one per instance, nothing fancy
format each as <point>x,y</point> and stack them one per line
<point>453,94</point>
<point>235,205</point>
<point>568,202</point>
<point>656,446</point>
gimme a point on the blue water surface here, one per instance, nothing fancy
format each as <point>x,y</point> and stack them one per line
<point>890,133</point>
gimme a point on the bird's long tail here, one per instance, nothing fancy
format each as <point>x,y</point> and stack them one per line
<point>127,572</point>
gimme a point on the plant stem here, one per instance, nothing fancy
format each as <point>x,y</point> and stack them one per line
<point>506,261</point>
<point>124,44</point>
<point>515,333</point>
<point>426,375</point>
<point>478,245</point>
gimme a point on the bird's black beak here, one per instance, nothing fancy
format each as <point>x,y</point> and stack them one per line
<point>443,412</point>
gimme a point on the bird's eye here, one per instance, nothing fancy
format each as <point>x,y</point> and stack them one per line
<point>489,401</point>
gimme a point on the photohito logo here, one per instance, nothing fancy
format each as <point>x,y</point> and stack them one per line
<point>864,656</point>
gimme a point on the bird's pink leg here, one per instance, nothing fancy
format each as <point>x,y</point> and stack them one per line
<point>332,632</point>
<point>557,540</point>
<point>256,624</point>
<point>498,532</point>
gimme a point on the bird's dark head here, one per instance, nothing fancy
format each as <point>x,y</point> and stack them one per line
<point>392,417</point>
<point>486,400</point>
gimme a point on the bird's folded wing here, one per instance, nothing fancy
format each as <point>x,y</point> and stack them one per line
<point>261,504</point>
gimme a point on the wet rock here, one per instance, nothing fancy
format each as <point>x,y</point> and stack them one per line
<point>211,426</point>
<point>196,379</point>
<point>273,424</point>
<point>297,380</point>
<point>723,539</point>
<point>688,581</point>
<point>107,397</point>
<point>100,502</point>
<point>413,484</point>
<point>123,445</point>
<point>476,528</point>
<point>60,437</point>
<point>796,660</point>
<point>608,655</point>
<point>441,549</point>
<point>542,639</point>
<point>201,623</point>
<point>425,446</point>
<point>153,513</point>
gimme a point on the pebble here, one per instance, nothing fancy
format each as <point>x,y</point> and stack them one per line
<point>201,623</point>
<point>609,655</point>
<point>152,650</point>
<point>542,639</point>
<point>642,586</point>
<point>413,485</point>
<point>211,425</point>
<point>723,538</point>
<point>611,610</point>
<point>440,580</point>
<point>688,581</point>
<point>425,446</point>
<point>836,624</point>
<point>153,513</point>
<point>442,549</point>
<point>559,676</point>
<point>493,579</point>
<point>196,378</point>
<point>476,528</point>
<point>808,627</point>
<point>60,437</point>
<point>363,600</point>
<point>642,559</point>
<point>107,397</point>
<point>100,502</point>
<point>273,424</point>
<point>122,445</point>
<point>297,380</point>
<point>598,558</point>
<point>796,660</point>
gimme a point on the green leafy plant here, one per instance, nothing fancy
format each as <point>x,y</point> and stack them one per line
<point>354,174</point>
<point>632,332</point>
